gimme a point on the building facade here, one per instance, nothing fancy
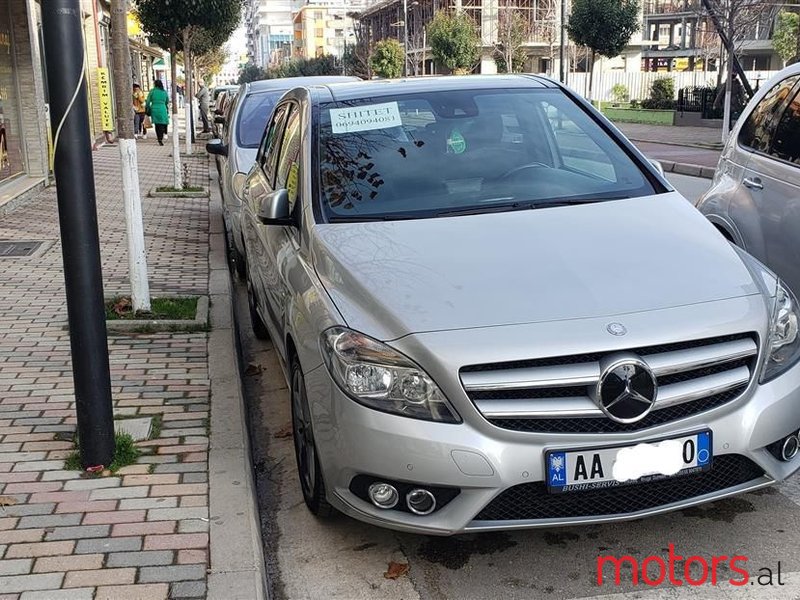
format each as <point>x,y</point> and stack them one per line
<point>24,162</point>
<point>323,28</point>
<point>270,30</point>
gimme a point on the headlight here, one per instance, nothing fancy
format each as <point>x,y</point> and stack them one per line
<point>784,341</point>
<point>238,183</point>
<point>379,377</point>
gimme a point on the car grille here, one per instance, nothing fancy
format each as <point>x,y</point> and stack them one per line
<point>532,500</point>
<point>554,395</point>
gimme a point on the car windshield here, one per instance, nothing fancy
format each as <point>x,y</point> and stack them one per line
<point>467,151</point>
<point>253,116</point>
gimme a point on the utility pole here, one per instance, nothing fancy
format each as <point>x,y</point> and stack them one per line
<point>562,51</point>
<point>80,243</point>
<point>131,197</point>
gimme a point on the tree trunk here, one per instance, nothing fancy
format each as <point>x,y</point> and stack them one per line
<point>188,74</point>
<point>176,150</point>
<point>123,86</point>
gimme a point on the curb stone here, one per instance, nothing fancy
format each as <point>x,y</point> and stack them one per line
<point>132,325</point>
<point>237,567</point>
<point>688,169</point>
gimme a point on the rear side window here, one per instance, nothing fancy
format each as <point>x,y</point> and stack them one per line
<point>786,141</point>
<point>756,132</point>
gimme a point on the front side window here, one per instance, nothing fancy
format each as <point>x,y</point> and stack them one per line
<point>441,153</point>
<point>755,132</point>
<point>786,141</point>
<point>288,175</point>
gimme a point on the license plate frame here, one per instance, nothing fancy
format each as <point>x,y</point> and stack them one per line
<point>703,442</point>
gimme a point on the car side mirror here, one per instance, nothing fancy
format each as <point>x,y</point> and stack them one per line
<point>274,209</point>
<point>219,120</point>
<point>216,146</point>
<point>659,167</point>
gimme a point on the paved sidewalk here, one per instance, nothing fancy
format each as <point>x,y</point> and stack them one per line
<point>143,533</point>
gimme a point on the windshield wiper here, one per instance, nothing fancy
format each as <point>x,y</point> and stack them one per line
<point>573,201</point>
<point>479,210</point>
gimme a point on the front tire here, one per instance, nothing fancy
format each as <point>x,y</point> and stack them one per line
<point>305,449</point>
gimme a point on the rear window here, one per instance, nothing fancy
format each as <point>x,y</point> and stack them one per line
<point>432,154</point>
<point>253,116</point>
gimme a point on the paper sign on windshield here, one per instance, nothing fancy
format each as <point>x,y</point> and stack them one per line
<point>365,118</point>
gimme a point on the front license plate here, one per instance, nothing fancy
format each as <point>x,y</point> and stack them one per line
<point>574,470</point>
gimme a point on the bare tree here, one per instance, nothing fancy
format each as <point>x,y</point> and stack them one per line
<point>123,85</point>
<point>514,30</point>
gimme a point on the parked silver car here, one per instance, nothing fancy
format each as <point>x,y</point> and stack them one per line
<point>755,197</point>
<point>242,128</point>
<point>494,313</point>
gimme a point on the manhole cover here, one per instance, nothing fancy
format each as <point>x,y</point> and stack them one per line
<point>16,249</point>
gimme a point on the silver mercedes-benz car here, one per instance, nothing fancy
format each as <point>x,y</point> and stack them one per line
<point>494,313</point>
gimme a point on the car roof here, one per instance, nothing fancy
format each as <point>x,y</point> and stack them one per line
<point>390,87</point>
<point>287,83</point>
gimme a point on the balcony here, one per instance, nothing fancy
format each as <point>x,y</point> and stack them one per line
<point>672,7</point>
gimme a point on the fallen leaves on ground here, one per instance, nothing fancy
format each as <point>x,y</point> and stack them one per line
<point>122,306</point>
<point>396,570</point>
<point>253,369</point>
<point>7,501</point>
<point>284,432</point>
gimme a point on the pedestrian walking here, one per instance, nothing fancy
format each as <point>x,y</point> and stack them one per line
<point>139,113</point>
<point>156,108</point>
<point>203,101</point>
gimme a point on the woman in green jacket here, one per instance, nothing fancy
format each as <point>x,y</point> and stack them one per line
<point>156,106</point>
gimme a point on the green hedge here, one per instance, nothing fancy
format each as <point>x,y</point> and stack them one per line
<point>640,115</point>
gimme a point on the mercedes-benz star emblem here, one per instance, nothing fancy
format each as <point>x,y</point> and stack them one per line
<point>616,329</point>
<point>626,390</point>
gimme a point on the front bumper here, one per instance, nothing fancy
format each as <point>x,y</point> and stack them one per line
<point>484,461</point>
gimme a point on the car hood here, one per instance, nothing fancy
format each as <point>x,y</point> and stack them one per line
<point>389,279</point>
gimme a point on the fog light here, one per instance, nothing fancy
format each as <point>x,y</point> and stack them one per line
<point>789,447</point>
<point>421,502</point>
<point>383,495</point>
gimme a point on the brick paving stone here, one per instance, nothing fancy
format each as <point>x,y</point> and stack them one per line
<point>100,577</point>
<point>140,559</point>
<point>61,520</point>
<point>153,591</point>
<point>194,501</point>
<point>186,557</point>
<point>86,506</point>
<point>147,503</point>
<point>69,594</point>
<point>192,526</point>
<point>62,564</point>
<point>154,527</point>
<point>129,480</point>
<point>119,493</point>
<point>15,566</point>
<point>78,533</point>
<point>23,583</point>
<point>120,544</point>
<point>171,573</point>
<point>118,516</point>
<point>21,535</point>
<point>188,589</point>
<point>181,489</point>
<point>176,514</point>
<point>92,484</point>
<point>177,541</point>
<point>8,523</point>
<point>34,549</point>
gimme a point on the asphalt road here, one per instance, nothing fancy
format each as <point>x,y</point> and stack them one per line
<point>343,558</point>
<point>691,187</point>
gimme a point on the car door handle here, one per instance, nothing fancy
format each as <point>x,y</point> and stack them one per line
<point>754,183</point>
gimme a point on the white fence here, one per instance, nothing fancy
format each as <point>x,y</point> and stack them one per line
<point>638,84</point>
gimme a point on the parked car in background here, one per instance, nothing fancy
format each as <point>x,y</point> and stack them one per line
<point>218,91</point>
<point>225,103</point>
<point>755,197</point>
<point>494,313</point>
<point>236,148</point>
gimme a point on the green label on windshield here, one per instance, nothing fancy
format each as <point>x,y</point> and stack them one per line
<point>456,144</point>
